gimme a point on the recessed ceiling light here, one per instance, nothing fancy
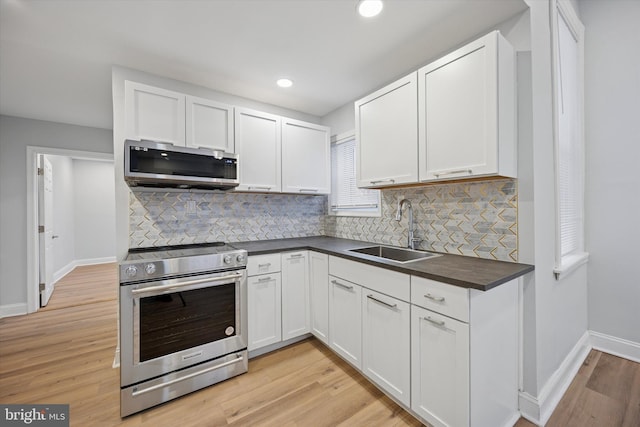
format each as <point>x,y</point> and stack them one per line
<point>284,82</point>
<point>369,8</point>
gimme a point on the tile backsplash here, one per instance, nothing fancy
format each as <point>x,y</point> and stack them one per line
<point>158,218</point>
<point>471,218</point>
<point>476,218</point>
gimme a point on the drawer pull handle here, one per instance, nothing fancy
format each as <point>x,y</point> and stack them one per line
<point>382,302</point>
<point>296,256</point>
<point>342,285</point>
<point>265,279</point>
<point>264,265</point>
<point>435,322</point>
<point>379,181</point>
<point>434,298</point>
<point>469,171</point>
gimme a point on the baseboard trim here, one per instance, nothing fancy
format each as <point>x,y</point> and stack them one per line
<point>10,310</point>
<point>78,263</point>
<point>538,410</point>
<point>616,346</point>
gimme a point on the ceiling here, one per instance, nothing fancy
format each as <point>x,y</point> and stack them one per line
<point>56,55</point>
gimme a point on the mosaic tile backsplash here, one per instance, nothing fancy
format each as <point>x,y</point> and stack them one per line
<point>472,218</point>
<point>476,219</point>
<point>159,218</point>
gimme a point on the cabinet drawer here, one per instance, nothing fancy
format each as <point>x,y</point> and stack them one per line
<point>263,264</point>
<point>388,282</point>
<point>445,299</point>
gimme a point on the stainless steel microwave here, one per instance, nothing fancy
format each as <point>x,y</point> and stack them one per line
<point>164,165</point>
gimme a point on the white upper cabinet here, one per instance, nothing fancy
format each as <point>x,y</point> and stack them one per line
<point>387,135</point>
<point>258,146</point>
<point>154,114</point>
<point>209,124</point>
<point>467,112</point>
<point>306,158</point>
<point>158,114</point>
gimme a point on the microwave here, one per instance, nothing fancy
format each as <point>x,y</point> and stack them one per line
<point>164,165</point>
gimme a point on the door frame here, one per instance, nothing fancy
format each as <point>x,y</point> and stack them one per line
<point>33,256</point>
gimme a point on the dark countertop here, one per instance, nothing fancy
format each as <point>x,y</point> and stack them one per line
<point>463,271</point>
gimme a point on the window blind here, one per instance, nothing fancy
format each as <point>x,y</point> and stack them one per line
<point>345,195</point>
<point>569,150</point>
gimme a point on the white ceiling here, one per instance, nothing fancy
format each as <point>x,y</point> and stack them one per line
<point>56,55</point>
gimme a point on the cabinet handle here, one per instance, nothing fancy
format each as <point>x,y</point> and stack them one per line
<point>435,322</point>
<point>434,298</point>
<point>264,265</point>
<point>342,285</point>
<point>256,187</point>
<point>296,256</point>
<point>382,302</point>
<point>265,279</point>
<point>438,175</point>
<point>378,181</point>
<point>308,190</point>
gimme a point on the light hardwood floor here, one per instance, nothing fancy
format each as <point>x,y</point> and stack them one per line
<point>63,354</point>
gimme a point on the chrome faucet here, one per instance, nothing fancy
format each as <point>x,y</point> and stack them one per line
<point>411,241</point>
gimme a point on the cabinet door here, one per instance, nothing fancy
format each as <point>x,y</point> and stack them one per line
<point>319,295</point>
<point>209,124</point>
<point>258,147</point>
<point>264,304</point>
<point>459,124</point>
<point>295,294</point>
<point>440,368</point>
<point>345,321</point>
<point>386,343</point>
<point>387,135</point>
<point>306,158</point>
<point>154,114</point>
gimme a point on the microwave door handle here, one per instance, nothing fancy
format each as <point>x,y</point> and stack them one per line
<point>185,284</point>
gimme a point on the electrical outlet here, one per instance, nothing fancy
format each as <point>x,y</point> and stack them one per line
<point>190,206</point>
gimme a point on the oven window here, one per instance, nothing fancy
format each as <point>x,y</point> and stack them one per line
<point>182,320</point>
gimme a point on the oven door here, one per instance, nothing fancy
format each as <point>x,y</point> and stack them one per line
<point>168,325</point>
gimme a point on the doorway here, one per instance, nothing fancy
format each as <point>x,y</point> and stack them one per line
<point>84,223</point>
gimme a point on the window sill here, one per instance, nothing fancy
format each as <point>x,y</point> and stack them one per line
<point>570,264</point>
<point>356,214</point>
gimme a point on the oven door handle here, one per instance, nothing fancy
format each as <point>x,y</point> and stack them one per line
<point>185,284</point>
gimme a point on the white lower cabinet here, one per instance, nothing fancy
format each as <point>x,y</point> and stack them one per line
<point>440,368</point>
<point>265,324</point>
<point>345,320</point>
<point>295,294</point>
<point>386,344</point>
<point>319,295</point>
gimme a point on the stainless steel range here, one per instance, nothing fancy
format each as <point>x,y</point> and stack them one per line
<point>183,321</point>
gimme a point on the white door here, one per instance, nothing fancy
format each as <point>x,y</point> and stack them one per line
<point>386,343</point>
<point>258,142</point>
<point>319,295</point>
<point>264,316</point>
<point>45,221</point>
<point>295,295</point>
<point>345,321</point>
<point>209,124</point>
<point>306,158</point>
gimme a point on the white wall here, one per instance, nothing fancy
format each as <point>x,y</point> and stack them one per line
<point>94,206</point>
<point>15,135</point>
<point>63,214</point>
<point>612,104</point>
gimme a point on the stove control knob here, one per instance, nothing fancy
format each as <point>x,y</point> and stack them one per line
<point>240,258</point>
<point>150,268</point>
<point>227,259</point>
<point>131,271</point>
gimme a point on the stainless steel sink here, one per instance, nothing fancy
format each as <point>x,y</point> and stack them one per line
<point>390,253</point>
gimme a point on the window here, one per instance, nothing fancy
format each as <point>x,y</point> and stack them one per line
<point>569,139</point>
<point>347,199</point>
